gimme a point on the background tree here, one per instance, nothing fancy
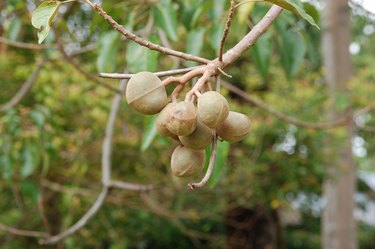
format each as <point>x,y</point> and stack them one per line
<point>339,229</point>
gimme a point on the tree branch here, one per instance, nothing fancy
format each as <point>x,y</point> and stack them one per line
<point>163,212</point>
<point>159,74</point>
<point>25,88</point>
<point>109,131</point>
<point>142,41</point>
<point>210,167</point>
<point>106,173</point>
<point>79,69</point>
<point>250,38</point>
<point>25,233</point>
<point>24,45</point>
<point>367,128</point>
<point>291,120</point>
<point>226,30</point>
<point>107,148</point>
<point>130,186</point>
<point>214,67</point>
<point>80,223</point>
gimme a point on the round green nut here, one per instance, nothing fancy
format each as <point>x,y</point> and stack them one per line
<point>182,119</point>
<point>199,139</point>
<point>146,93</point>
<point>235,127</point>
<point>161,121</point>
<point>213,108</point>
<point>187,162</point>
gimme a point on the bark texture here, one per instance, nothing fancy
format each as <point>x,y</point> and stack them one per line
<point>338,224</point>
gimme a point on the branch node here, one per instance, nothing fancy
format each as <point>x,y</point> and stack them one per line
<point>224,73</point>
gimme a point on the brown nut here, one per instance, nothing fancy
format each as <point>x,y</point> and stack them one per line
<point>213,108</point>
<point>182,119</point>
<point>146,93</point>
<point>199,139</point>
<point>161,121</point>
<point>235,127</point>
<point>187,162</point>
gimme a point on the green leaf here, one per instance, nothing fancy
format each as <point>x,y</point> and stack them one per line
<point>30,189</point>
<point>217,10</point>
<point>6,163</point>
<point>195,41</point>
<point>199,11</point>
<point>149,132</point>
<point>296,7</point>
<point>42,18</point>
<point>312,11</point>
<point>38,118</point>
<point>14,29</point>
<point>292,52</point>
<point>215,34</point>
<point>221,161</point>
<point>262,52</point>
<point>165,18</point>
<point>140,58</point>
<point>244,11</point>
<point>342,101</point>
<point>29,158</point>
<point>109,44</point>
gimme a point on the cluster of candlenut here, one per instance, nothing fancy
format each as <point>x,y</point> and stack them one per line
<point>191,125</point>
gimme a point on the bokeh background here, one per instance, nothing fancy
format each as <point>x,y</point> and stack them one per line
<point>266,191</point>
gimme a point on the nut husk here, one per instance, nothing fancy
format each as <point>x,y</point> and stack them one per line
<point>187,162</point>
<point>199,139</point>
<point>213,108</point>
<point>235,127</point>
<point>146,93</point>
<point>182,119</point>
<point>161,121</point>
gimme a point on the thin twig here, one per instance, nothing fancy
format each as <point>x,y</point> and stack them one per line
<point>79,69</point>
<point>109,131</point>
<point>184,78</point>
<point>366,128</point>
<point>218,83</point>
<point>224,73</point>
<point>106,171</point>
<point>80,223</point>
<point>164,212</point>
<point>25,87</point>
<point>291,120</point>
<point>212,68</point>
<point>252,36</point>
<point>142,41</point>
<point>159,74</point>
<point>365,109</point>
<point>107,148</point>
<point>228,24</point>
<point>25,233</point>
<point>208,73</point>
<point>210,167</point>
<point>130,186</point>
<point>112,198</point>
<point>24,45</point>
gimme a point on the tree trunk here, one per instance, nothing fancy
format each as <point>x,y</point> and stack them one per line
<point>338,224</point>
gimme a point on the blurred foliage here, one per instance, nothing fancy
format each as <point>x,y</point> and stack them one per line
<point>56,132</point>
